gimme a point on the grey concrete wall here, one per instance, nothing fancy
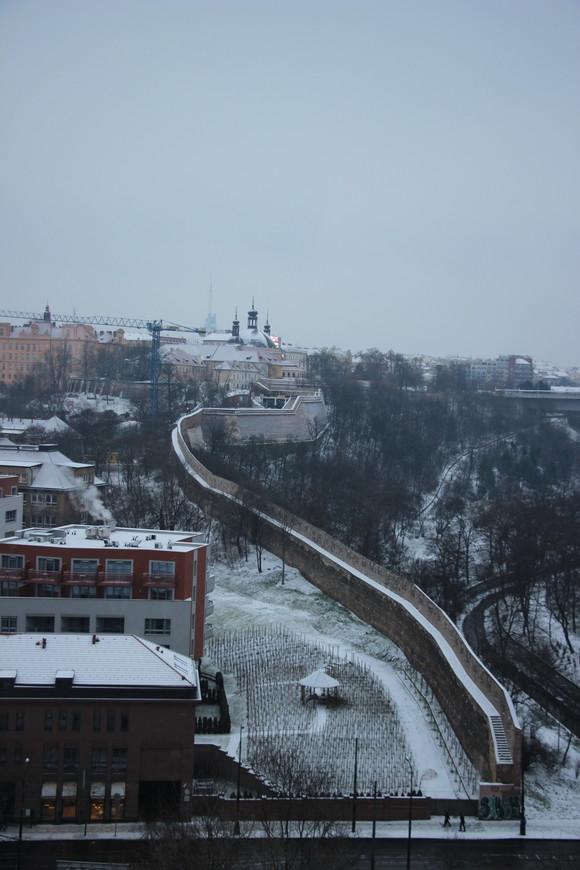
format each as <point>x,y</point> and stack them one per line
<point>395,607</point>
<point>297,421</point>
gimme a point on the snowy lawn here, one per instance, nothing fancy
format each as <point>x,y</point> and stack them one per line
<point>245,599</point>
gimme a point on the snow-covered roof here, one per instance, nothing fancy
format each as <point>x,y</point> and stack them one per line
<point>97,660</point>
<point>83,537</point>
<point>54,477</point>
<point>16,425</point>
<point>319,680</point>
<point>29,456</point>
<point>177,355</point>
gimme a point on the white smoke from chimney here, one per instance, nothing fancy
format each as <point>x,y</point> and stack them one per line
<point>88,499</point>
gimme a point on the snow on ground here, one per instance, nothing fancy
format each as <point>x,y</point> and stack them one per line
<point>98,402</point>
<point>245,598</point>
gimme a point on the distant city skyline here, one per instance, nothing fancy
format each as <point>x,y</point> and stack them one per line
<point>373,174</point>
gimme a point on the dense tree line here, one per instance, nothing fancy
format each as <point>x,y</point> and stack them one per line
<point>487,495</point>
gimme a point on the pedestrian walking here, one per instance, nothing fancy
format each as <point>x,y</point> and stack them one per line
<point>447,820</point>
<point>461,822</point>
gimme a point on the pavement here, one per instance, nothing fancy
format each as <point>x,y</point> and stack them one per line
<point>432,829</point>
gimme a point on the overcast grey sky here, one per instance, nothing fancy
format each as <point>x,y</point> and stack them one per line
<point>375,173</point>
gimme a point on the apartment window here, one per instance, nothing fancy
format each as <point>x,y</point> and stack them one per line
<point>118,592</point>
<point>124,721</point>
<point>160,593</point>
<point>19,721</point>
<point>3,720</point>
<point>119,566</point>
<point>48,720</point>
<point>15,562</point>
<point>164,568</point>
<point>96,720</point>
<point>76,721</point>
<point>3,754</point>
<point>36,498</point>
<point>119,761</point>
<point>39,520</point>
<point>110,624</point>
<point>18,753</point>
<point>43,563</point>
<point>50,758</point>
<point>8,588</point>
<point>110,720</point>
<point>10,517</point>
<point>51,498</point>
<point>157,626</point>
<point>47,590</point>
<point>75,624</point>
<point>99,759</point>
<point>44,624</point>
<point>8,624</point>
<point>70,759</point>
<point>83,592</point>
<point>62,720</point>
<point>84,566</point>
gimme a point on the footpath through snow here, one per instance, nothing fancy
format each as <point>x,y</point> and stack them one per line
<point>245,598</point>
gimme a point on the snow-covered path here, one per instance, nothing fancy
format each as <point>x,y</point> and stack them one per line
<point>244,598</point>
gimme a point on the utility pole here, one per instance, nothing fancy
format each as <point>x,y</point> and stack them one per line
<point>354,785</point>
<point>407,759</point>
<point>237,822</point>
<point>23,790</point>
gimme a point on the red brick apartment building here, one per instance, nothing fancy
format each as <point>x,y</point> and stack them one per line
<point>94,728</point>
<point>79,579</point>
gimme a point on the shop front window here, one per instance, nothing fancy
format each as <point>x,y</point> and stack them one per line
<point>117,801</point>
<point>48,802</point>
<point>97,809</point>
<point>69,800</point>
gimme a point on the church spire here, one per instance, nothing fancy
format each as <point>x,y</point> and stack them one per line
<point>236,327</point>
<point>253,317</point>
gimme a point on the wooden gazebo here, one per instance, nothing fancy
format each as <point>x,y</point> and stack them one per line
<point>319,686</point>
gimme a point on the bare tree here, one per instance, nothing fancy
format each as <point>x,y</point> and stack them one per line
<point>202,844</point>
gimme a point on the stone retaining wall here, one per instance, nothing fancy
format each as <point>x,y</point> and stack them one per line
<point>395,607</point>
<point>300,419</point>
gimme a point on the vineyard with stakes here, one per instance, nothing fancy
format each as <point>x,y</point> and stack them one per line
<point>308,747</point>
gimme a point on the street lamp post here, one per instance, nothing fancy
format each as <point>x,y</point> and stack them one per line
<point>523,808</point>
<point>23,788</point>
<point>354,785</point>
<point>410,763</point>
<point>237,822</point>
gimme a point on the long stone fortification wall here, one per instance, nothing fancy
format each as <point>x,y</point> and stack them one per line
<point>299,420</point>
<point>469,694</point>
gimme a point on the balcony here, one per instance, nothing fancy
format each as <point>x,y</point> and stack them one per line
<point>44,577</point>
<point>208,610</point>
<point>14,574</point>
<point>71,578</point>
<point>209,583</point>
<point>116,579</point>
<point>165,580</point>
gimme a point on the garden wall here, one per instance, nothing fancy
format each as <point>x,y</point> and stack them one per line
<point>465,689</point>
